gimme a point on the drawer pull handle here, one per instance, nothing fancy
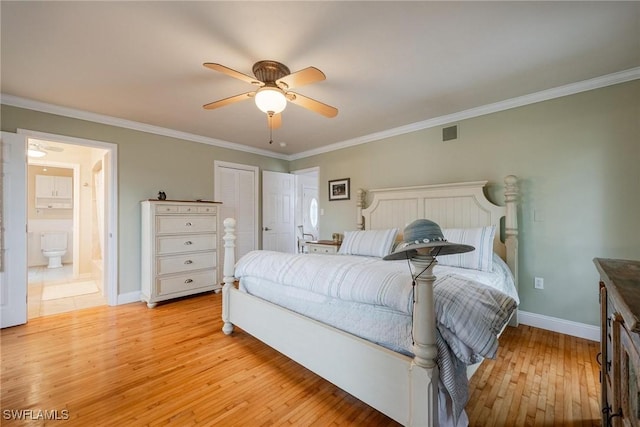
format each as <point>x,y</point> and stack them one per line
<point>188,224</point>
<point>188,242</point>
<point>188,261</point>
<point>188,281</point>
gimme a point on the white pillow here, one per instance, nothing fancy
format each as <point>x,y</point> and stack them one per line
<point>480,238</point>
<point>368,242</point>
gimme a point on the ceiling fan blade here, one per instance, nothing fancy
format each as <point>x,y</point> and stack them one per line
<point>312,104</point>
<point>233,73</point>
<point>274,121</point>
<point>226,101</point>
<point>303,77</point>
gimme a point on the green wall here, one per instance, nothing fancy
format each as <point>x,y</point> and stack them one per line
<point>578,162</point>
<point>147,163</point>
<point>577,158</point>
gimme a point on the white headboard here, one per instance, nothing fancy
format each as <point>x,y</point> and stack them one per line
<point>459,205</point>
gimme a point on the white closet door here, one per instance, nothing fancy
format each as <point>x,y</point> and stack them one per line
<point>236,186</point>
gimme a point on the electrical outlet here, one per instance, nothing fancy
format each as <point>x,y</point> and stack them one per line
<point>538,283</point>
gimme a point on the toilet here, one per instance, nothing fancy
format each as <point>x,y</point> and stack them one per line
<point>53,245</point>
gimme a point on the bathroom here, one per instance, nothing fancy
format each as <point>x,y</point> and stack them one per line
<point>65,214</point>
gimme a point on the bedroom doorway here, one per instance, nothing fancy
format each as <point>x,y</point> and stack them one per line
<point>307,206</point>
<point>58,194</point>
<point>65,213</point>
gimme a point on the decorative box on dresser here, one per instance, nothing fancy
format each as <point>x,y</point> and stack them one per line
<point>620,341</point>
<point>179,249</point>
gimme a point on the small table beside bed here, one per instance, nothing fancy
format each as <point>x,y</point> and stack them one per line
<point>402,336</point>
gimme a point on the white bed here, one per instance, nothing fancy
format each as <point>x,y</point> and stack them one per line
<point>404,388</point>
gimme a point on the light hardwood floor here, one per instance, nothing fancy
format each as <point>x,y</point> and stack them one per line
<point>129,365</point>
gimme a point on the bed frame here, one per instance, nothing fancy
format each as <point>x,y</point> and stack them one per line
<point>403,388</point>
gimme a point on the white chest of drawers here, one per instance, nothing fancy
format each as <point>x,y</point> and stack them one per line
<point>178,249</point>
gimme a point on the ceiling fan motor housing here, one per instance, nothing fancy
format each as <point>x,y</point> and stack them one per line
<point>270,71</point>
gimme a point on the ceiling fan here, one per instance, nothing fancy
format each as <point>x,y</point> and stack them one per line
<point>275,82</point>
<point>39,149</point>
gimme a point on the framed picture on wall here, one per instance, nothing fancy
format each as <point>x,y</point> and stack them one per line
<point>339,189</point>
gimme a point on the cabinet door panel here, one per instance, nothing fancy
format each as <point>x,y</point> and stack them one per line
<point>63,187</point>
<point>630,380</point>
<point>44,186</point>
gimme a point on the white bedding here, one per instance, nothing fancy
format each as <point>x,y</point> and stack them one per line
<point>372,299</point>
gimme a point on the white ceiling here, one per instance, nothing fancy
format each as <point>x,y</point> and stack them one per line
<point>388,64</point>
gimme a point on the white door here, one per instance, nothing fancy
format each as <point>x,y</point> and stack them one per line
<point>13,270</point>
<point>236,186</point>
<point>278,221</point>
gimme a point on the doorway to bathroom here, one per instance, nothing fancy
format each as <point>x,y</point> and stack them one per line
<point>65,227</point>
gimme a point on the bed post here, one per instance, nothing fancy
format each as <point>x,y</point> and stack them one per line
<point>360,195</point>
<point>511,194</point>
<point>424,382</point>
<point>228,270</point>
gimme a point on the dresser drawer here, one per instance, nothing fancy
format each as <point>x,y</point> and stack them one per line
<point>166,208</point>
<point>187,262</point>
<point>322,249</point>
<point>208,209</point>
<point>186,282</point>
<point>185,224</point>
<point>175,244</point>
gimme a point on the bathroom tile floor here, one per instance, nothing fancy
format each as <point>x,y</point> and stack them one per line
<point>60,296</point>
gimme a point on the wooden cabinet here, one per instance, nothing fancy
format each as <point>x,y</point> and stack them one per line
<point>323,247</point>
<point>179,249</point>
<point>620,341</point>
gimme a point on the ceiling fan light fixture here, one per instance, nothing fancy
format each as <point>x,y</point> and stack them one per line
<point>34,152</point>
<point>270,100</point>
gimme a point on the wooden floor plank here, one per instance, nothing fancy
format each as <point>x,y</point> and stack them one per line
<point>172,365</point>
<point>550,365</point>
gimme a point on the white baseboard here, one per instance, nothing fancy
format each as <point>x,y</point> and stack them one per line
<point>567,327</point>
<point>129,297</point>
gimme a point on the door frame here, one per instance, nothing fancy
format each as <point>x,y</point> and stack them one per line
<point>110,167</point>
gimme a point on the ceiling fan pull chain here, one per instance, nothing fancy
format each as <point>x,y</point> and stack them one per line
<point>270,114</point>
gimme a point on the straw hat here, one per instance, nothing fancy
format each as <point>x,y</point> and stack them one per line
<point>423,233</point>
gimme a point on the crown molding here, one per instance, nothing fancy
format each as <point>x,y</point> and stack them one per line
<point>545,95</point>
<point>30,104</point>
